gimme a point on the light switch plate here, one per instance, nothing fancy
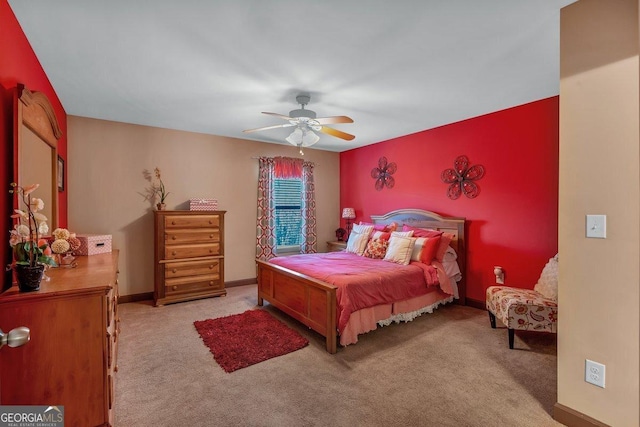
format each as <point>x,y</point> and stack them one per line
<point>597,226</point>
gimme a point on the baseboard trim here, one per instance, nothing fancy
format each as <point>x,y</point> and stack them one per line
<point>123,299</point>
<point>147,296</point>
<point>476,304</point>
<point>572,418</point>
<point>242,282</point>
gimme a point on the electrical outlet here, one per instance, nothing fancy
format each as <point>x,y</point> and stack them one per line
<point>594,373</point>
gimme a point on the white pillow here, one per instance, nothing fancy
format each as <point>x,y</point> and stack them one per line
<point>400,249</point>
<point>450,255</point>
<point>402,233</point>
<point>548,282</point>
<point>358,238</point>
<point>363,229</point>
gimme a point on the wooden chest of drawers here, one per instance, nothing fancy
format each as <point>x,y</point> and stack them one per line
<point>189,255</point>
<point>71,357</point>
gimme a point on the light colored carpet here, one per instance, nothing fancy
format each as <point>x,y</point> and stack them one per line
<point>448,368</point>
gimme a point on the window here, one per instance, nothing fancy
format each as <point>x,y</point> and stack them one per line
<point>288,207</point>
<point>286,220</point>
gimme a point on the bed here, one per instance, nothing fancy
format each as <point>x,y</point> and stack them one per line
<point>314,302</point>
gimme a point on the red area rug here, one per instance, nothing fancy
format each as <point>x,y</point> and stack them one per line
<point>242,340</point>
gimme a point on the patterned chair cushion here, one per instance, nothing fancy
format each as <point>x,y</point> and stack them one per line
<point>523,309</point>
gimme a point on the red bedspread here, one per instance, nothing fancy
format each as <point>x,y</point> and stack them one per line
<point>362,282</point>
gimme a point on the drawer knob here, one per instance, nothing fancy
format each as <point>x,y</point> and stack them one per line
<point>174,287</point>
<point>210,250</point>
<point>211,267</point>
<point>173,252</point>
<point>173,270</point>
<point>211,283</point>
<point>211,236</point>
<point>173,223</point>
<point>210,222</point>
<point>173,237</point>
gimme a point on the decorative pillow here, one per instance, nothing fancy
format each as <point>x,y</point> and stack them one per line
<point>402,233</point>
<point>376,248</point>
<point>362,228</point>
<point>424,249</point>
<point>358,238</point>
<point>380,235</point>
<point>400,249</point>
<point>421,232</point>
<point>382,227</point>
<point>445,239</point>
<point>548,282</point>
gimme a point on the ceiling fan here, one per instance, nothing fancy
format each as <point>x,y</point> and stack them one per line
<point>305,123</point>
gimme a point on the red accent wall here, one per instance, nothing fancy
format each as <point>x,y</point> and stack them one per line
<point>19,64</point>
<point>514,220</point>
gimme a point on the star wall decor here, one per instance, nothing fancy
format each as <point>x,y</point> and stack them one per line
<point>461,178</point>
<point>382,174</point>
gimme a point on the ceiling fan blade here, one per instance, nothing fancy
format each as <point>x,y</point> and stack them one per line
<point>282,116</point>
<point>284,125</point>
<point>334,119</point>
<point>337,133</point>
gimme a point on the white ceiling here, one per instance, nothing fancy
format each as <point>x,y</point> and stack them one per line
<point>211,66</point>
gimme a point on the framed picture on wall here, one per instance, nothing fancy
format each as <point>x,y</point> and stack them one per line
<point>60,174</point>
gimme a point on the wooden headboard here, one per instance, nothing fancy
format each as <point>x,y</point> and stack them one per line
<point>425,219</point>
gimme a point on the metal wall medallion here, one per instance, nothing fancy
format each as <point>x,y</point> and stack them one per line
<point>382,174</point>
<point>461,178</point>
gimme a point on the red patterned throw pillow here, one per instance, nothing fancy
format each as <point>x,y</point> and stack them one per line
<point>376,248</point>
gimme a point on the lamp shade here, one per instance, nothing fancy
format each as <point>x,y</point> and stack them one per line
<point>348,213</point>
<point>302,137</point>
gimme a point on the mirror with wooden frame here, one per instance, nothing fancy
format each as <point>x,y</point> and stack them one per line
<point>35,148</point>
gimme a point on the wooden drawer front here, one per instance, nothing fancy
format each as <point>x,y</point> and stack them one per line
<point>202,235</point>
<point>193,284</point>
<point>191,251</point>
<point>196,221</point>
<point>192,268</point>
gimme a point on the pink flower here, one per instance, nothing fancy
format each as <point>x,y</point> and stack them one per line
<point>14,239</point>
<point>30,189</point>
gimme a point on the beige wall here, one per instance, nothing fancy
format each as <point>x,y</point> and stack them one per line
<point>600,174</point>
<point>105,163</point>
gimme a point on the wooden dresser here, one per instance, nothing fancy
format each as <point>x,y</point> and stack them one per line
<point>189,255</point>
<point>71,357</point>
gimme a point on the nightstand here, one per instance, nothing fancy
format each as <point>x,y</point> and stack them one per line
<point>336,246</point>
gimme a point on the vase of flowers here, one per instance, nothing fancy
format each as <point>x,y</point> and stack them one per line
<point>30,253</point>
<point>63,245</point>
<point>156,189</point>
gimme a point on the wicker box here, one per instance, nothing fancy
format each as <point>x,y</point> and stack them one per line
<point>203,204</point>
<point>93,244</point>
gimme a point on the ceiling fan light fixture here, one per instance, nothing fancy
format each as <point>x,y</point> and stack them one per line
<point>295,138</point>
<point>302,138</point>
<point>306,123</point>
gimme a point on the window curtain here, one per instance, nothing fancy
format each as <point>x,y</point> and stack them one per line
<point>266,223</point>
<point>284,167</point>
<point>287,167</point>
<point>309,236</point>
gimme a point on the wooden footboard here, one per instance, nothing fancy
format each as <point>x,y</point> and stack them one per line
<point>304,298</point>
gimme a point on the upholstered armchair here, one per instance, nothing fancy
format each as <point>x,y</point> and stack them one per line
<point>527,309</point>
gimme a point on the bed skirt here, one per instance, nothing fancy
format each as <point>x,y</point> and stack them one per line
<point>368,319</point>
